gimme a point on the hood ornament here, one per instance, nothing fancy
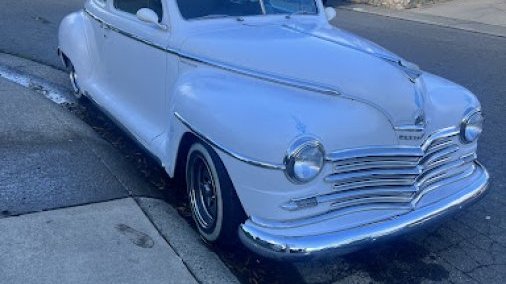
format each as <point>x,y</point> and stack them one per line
<point>411,69</point>
<point>420,120</point>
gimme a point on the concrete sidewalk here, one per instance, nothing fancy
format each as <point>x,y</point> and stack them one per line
<point>111,242</point>
<point>114,227</point>
<point>484,16</point>
<point>491,12</point>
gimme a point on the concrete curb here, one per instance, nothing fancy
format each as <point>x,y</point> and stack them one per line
<point>459,24</point>
<point>52,83</point>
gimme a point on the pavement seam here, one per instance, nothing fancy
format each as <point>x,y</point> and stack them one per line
<point>458,269</point>
<point>64,207</point>
<point>167,241</point>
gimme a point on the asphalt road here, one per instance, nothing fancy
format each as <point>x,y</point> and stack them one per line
<point>470,247</point>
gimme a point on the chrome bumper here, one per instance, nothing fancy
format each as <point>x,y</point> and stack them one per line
<point>342,242</point>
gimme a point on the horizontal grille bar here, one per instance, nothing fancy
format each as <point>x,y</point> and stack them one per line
<point>379,152</point>
<point>376,174</point>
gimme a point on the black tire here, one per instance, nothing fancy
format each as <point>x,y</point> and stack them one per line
<point>229,214</point>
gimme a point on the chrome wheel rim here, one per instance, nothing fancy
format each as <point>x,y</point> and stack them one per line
<point>73,81</point>
<point>75,86</point>
<point>203,193</point>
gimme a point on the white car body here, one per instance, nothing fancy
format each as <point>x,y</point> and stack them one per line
<point>250,87</point>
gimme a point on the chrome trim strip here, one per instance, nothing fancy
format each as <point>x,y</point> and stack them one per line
<point>373,175</point>
<point>410,128</point>
<point>308,86</point>
<point>375,183</point>
<point>409,153</point>
<point>442,133</point>
<point>228,151</point>
<point>440,172</point>
<point>376,152</point>
<point>437,157</point>
<point>386,200</point>
<point>262,7</point>
<point>365,164</point>
<point>336,213</point>
<point>127,34</point>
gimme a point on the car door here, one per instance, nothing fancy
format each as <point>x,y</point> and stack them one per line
<point>137,67</point>
<point>96,35</point>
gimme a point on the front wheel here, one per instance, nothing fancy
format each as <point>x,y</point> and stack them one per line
<point>215,206</point>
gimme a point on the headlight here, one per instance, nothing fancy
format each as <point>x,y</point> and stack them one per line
<point>304,160</point>
<point>471,128</point>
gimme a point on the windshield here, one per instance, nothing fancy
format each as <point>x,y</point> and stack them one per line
<point>193,9</point>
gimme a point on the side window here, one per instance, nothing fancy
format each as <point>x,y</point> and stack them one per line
<point>132,6</point>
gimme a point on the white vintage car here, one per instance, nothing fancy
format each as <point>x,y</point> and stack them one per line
<point>298,137</point>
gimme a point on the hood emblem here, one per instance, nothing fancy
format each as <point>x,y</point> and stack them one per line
<point>415,131</point>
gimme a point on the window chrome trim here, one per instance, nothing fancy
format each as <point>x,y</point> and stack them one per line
<point>308,86</point>
<point>227,151</point>
<point>122,32</point>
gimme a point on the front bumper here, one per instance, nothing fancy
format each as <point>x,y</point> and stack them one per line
<point>345,241</point>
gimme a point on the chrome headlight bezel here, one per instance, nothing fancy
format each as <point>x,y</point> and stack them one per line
<point>471,127</point>
<point>294,153</point>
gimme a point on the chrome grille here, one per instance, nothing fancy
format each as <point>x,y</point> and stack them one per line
<point>393,177</point>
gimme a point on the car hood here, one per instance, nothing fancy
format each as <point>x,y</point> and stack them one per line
<point>319,55</point>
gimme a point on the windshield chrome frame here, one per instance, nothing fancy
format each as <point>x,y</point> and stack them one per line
<point>262,7</point>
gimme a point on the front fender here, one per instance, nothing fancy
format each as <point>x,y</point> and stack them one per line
<point>73,42</point>
<point>259,120</point>
<point>448,102</point>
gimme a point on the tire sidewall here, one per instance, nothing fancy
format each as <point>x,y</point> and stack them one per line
<point>199,149</point>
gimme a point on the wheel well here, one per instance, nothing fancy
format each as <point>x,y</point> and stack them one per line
<point>184,146</point>
<point>239,215</point>
<point>64,58</point>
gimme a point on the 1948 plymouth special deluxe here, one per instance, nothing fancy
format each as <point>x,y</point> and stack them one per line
<point>296,137</point>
